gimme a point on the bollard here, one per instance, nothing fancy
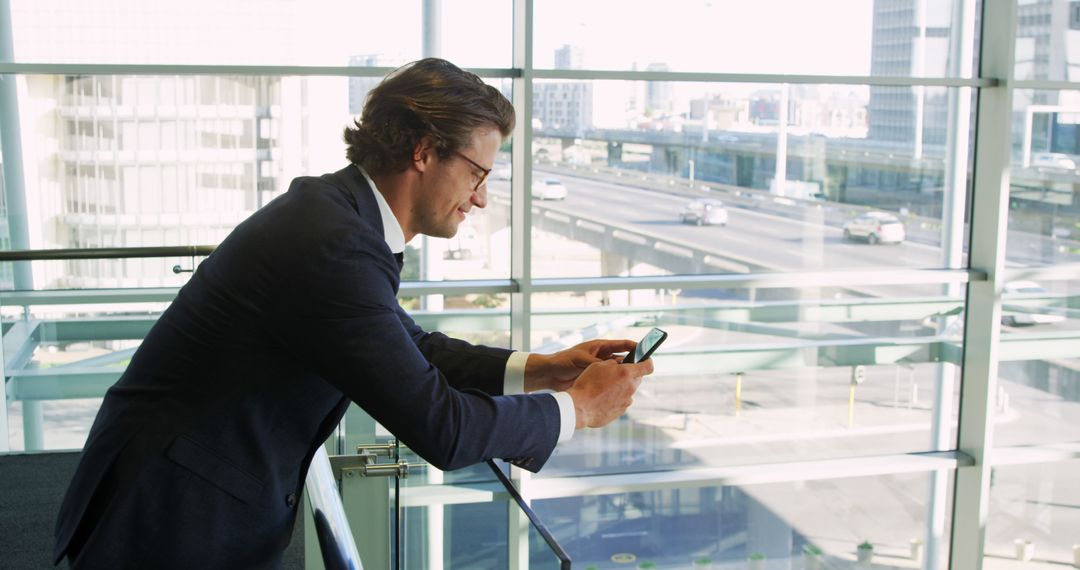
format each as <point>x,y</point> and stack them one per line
<point>738,393</point>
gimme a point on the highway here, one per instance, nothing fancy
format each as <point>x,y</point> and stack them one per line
<point>780,243</point>
<point>800,240</point>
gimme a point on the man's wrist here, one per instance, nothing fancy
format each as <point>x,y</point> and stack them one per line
<point>534,372</point>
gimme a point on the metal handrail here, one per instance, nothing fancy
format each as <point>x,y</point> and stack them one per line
<point>107,253</point>
<point>534,520</point>
<point>336,542</point>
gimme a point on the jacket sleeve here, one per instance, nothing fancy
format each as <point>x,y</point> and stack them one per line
<point>341,315</point>
<point>465,365</point>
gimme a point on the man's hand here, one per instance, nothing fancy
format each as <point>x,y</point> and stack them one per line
<point>605,390</point>
<point>559,371</point>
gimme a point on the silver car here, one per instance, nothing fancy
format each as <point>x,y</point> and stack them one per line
<point>704,212</point>
<point>875,228</point>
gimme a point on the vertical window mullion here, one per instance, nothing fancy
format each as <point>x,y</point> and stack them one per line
<point>989,206</point>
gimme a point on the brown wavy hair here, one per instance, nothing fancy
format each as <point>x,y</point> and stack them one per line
<point>433,98</point>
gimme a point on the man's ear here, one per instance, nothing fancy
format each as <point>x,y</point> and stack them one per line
<point>423,154</point>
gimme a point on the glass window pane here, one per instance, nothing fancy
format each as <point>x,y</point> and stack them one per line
<point>748,375</point>
<point>251,32</point>
<point>206,162</point>
<point>1033,517</point>
<point>648,178</point>
<point>840,37</point>
<point>1047,40</point>
<point>1038,393</point>
<point>1044,212</point>
<point>1038,386</point>
<point>77,348</point>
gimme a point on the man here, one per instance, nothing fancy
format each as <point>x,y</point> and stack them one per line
<point>200,450</point>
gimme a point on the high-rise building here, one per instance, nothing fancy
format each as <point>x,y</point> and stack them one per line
<point>910,39</point>
<point>127,161</point>
<point>658,94</point>
<point>1047,32</point>
<point>569,57</point>
<point>565,106</point>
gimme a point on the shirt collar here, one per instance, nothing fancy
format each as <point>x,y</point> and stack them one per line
<point>392,233</point>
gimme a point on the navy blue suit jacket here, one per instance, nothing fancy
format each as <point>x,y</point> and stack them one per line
<point>200,450</point>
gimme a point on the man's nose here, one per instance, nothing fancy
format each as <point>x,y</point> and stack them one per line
<point>479,197</point>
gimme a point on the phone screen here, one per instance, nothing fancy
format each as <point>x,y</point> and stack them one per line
<point>646,346</point>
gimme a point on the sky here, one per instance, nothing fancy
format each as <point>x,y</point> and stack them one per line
<point>721,36</point>
<point>727,36</point>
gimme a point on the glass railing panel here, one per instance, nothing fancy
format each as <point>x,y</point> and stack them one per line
<point>830,523</point>
<point>467,525</point>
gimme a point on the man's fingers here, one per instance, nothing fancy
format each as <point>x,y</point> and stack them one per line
<point>606,390</point>
<point>606,348</point>
<point>643,368</point>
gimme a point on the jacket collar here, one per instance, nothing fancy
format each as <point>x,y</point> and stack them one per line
<point>369,199</point>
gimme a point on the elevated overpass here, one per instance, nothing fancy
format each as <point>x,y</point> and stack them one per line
<point>840,165</point>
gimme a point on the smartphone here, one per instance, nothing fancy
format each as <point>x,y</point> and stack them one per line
<point>646,346</point>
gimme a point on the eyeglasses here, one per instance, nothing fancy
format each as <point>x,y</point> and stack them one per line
<point>483,177</point>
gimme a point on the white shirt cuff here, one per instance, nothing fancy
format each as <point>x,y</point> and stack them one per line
<point>567,415</point>
<point>514,383</point>
<point>514,376</point>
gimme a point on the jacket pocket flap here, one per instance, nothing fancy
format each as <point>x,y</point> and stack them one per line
<point>207,464</point>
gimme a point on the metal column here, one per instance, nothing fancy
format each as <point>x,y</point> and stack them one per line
<point>430,262</point>
<point>520,245</point>
<point>989,211</point>
<point>961,48</point>
<point>15,196</point>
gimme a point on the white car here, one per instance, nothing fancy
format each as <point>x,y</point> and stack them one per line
<point>548,189</point>
<point>875,228</point>
<point>1018,291</point>
<point>704,212</point>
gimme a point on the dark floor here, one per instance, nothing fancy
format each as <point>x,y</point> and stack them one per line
<point>31,488</point>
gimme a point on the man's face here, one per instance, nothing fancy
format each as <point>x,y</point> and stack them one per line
<point>451,191</point>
